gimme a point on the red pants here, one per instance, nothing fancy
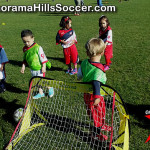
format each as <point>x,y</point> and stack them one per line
<point>108,54</point>
<point>70,54</point>
<point>97,113</point>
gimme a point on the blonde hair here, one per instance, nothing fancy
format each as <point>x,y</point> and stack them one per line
<point>94,47</point>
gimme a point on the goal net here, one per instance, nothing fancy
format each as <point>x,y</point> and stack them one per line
<point>62,122</point>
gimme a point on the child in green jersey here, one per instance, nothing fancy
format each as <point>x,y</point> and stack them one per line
<point>35,58</point>
<point>92,71</point>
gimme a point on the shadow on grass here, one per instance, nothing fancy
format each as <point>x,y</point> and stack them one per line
<point>80,130</point>
<point>13,89</point>
<point>57,14</point>
<point>15,63</point>
<point>56,58</point>
<point>9,108</point>
<point>139,112</point>
<point>61,59</point>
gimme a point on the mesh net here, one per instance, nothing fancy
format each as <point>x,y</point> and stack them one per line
<point>63,122</point>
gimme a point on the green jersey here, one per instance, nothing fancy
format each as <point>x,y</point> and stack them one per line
<point>34,56</point>
<point>93,71</point>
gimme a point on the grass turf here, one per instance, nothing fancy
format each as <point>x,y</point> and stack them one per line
<point>129,73</point>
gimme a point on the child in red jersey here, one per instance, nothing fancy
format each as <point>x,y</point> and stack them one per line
<point>67,38</point>
<point>105,33</point>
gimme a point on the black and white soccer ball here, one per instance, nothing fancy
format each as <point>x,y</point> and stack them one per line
<point>18,114</point>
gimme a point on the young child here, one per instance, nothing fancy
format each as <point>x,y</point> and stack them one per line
<point>67,37</point>
<point>78,3</point>
<point>105,33</point>
<point>3,61</point>
<point>92,71</point>
<point>99,3</point>
<point>35,58</point>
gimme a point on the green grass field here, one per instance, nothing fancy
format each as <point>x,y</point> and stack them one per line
<point>129,74</point>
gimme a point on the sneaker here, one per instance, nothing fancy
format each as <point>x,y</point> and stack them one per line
<point>69,70</point>
<point>106,128</point>
<point>73,72</point>
<point>39,96</point>
<point>51,92</point>
<point>106,68</point>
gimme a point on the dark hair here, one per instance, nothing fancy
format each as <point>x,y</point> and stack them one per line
<point>26,32</point>
<point>105,18</point>
<point>64,21</point>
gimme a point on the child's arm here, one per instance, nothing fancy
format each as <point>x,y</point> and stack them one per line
<point>109,37</point>
<point>63,41</point>
<point>59,40</point>
<point>23,68</point>
<point>96,91</point>
<point>4,58</point>
<point>44,68</point>
<point>43,59</point>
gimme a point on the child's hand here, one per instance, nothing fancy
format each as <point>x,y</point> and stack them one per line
<point>22,69</point>
<point>1,68</point>
<point>73,42</point>
<point>63,41</point>
<point>96,102</point>
<point>43,69</point>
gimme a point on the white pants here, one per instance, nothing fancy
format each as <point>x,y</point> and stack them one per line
<point>37,73</point>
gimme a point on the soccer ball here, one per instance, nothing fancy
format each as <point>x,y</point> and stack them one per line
<point>18,114</point>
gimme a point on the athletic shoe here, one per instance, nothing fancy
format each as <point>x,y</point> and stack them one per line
<point>51,92</point>
<point>69,70</point>
<point>106,68</point>
<point>73,72</point>
<point>106,128</point>
<point>39,96</point>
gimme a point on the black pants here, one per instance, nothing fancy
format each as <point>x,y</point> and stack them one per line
<point>2,86</point>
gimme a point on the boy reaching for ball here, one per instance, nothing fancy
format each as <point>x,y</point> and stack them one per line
<point>92,71</point>
<point>35,58</point>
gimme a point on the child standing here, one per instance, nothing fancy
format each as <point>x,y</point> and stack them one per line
<point>99,3</point>
<point>105,33</point>
<point>78,3</point>
<point>35,58</point>
<point>92,70</point>
<point>3,61</point>
<point>67,37</point>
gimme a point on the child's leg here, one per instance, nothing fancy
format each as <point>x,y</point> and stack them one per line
<point>74,58</point>
<point>69,68</point>
<point>2,86</point>
<point>75,70</point>
<point>67,55</point>
<point>108,55</point>
<point>99,3</point>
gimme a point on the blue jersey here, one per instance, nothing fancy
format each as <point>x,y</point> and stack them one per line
<point>67,35</point>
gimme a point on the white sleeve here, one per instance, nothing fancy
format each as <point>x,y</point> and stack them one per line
<point>74,36</point>
<point>109,37</point>
<point>42,55</point>
<point>79,74</point>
